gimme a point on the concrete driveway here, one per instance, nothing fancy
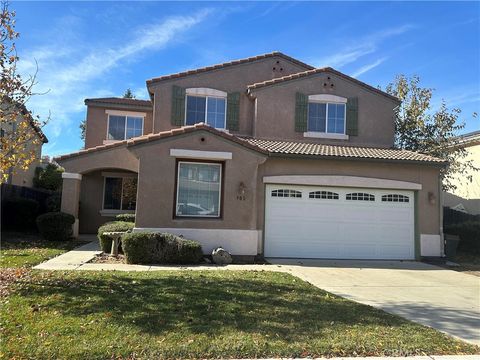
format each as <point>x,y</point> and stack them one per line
<point>446,300</point>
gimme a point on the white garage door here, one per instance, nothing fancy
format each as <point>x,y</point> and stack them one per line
<point>338,223</point>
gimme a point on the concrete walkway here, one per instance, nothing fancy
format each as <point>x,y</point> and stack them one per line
<point>446,300</point>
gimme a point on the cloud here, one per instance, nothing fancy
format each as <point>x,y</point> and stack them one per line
<point>68,71</point>
<point>365,46</point>
<point>369,67</point>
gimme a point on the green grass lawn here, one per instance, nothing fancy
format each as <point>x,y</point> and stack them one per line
<point>26,250</point>
<point>216,314</point>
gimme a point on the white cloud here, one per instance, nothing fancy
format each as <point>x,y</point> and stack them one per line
<point>67,71</point>
<point>369,67</point>
<point>364,46</point>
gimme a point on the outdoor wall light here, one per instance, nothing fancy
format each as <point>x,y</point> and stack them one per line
<point>241,191</point>
<point>431,198</point>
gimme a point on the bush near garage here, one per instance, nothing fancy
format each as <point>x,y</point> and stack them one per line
<point>125,217</point>
<point>55,226</point>
<point>160,248</point>
<point>20,214</point>
<point>113,226</point>
<point>469,233</point>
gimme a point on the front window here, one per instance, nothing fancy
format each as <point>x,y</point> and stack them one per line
<point>120,193</point>
<point>198,189</point>
<point>207,109</point>
<point>326,117</point>
<point>121,127</point>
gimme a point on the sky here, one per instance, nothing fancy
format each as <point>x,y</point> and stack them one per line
<point>99,49</point>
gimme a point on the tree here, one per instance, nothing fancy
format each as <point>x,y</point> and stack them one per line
<point>19,128</point>
<point>83,129</point>
<point>419,127</point>
<point>128,94</point>
<point>48,178</point>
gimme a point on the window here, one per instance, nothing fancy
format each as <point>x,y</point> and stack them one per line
<point>286,193</point>
<point>395,198</point>
<point>207,109</point>
<point>121,127</point>
<point>198,189</point>
<point>326,117</point>
<point>323,195</point>
<point>120,193</point>
<point>360,197</point>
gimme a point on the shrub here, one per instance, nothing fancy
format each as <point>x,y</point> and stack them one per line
<point>20,214</point>
<point>55,226</point>
<point>156,248</point>
<point>126,217</point>
<point>113,226</point>
<point>49,178</point>
<point>53,202</point>
<point>469,233</point>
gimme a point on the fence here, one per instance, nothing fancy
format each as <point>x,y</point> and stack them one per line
<point>451,216</point>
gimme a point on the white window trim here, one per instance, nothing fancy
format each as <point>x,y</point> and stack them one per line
<point>107,212</point>
<point>219,194</point>
<point>205,92</point>
<point>327,99</point>
<point>224,128</point>
<point>126,114</point>
<point>200,154</point>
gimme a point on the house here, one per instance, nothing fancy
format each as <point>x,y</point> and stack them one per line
<point>264,155</point>
<point>466,196</point>
<point>34,139</point>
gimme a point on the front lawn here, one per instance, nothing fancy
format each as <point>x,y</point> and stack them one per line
<point>192,314</point>
<point>26,250</point>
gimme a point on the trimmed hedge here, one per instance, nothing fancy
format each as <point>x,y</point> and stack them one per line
<point>112,226</point>
<point>160,248</point>
<point>20,214</point>
<point>55,226</point>
<point>125,217</point>
<point>53,202</point>
<point>469,233</point>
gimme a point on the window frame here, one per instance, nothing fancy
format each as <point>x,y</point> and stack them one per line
<point>327,133</point>
<point>126,114</point>
<point>104,211</point>
<point>220,196</point>
<point>206,108</point>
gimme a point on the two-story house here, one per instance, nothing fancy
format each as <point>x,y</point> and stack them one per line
<point>265,155</point>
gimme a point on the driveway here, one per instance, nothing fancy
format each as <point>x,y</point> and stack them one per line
<point>446,300</point>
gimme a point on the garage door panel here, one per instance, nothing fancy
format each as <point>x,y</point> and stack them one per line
<point>339,228</point>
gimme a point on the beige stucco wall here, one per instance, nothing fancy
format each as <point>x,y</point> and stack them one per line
<point>25,177</point>
<point>97,122</point>
<point>229,79</point>
<point>275,117</point>
<point>466,189</point>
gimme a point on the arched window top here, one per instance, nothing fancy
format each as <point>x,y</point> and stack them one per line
<point>361,197</point>
<point>286,193</point>
<point>323,195</point>
<point>395,198</point>
<point>205,92</point>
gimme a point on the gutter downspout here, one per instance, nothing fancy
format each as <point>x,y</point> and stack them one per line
<point>440,206</point>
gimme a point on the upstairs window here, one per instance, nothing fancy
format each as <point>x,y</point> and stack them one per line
<point>326,117</point>
<point>206,105</point>
<point>122,127</point>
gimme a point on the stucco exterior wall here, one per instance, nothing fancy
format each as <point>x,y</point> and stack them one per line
<point>229,79</point>
<point>97,122</point>
<point>25,177</point>
<point>275,118</point>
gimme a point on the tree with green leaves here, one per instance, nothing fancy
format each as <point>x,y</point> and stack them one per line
<point>419,127</point>
<point>128,94</point>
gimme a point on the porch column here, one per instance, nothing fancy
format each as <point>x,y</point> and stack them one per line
<point>71,196</point>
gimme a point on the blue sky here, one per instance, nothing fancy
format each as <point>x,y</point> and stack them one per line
<point>86,49</point>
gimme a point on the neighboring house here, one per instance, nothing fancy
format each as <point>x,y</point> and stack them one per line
<point>466,196</point>
<point>18,176</point>
<point>264,155</point>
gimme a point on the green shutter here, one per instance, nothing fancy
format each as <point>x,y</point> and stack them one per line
<point>233,111</point>
<point>352,116</point>
<point>301,110</point>
<point>178,106</point>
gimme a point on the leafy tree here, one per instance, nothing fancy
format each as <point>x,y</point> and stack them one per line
<point>419,127</point>
<point>49,178</point>
<point>83,128</point>
<point>128,94</point>
<point>19,128</point>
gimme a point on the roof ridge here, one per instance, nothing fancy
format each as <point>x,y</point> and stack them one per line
<point>229,63</point>
<point>317,71</point>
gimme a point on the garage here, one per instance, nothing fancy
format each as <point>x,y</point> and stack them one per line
<point>328,222</point>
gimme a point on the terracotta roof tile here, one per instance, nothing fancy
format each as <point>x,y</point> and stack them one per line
<point>229,63</point>
<point>314,72</point>
<point>120,101</point>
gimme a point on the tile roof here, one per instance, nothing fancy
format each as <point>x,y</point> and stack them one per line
<point>314,72</point>
<point>322,150</point>
<point>229,63</point>
<point>120,101</point>
<point>275,147</point>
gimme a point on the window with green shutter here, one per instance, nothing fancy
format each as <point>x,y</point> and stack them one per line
<point>178,106</point>
<point>301,111</point>
<point>233,111</point>
<point>352,116</point>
